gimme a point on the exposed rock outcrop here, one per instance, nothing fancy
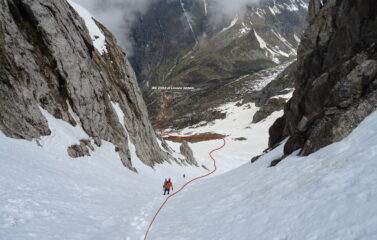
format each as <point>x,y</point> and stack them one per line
<point>336,76</point>
<point>275,95</point>
<point>272,105</point>
<point>80,150</point>
<point>165,145</point>
<point>282,84</point>
<point>47,60</point>
<point>189,155</point>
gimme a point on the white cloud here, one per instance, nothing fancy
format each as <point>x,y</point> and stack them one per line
<point>118,15</point>
<point>230,8</point>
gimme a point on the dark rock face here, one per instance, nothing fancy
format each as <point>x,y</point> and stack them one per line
<point>283,84</point>
<point>268,98</point>
<point>162,33</point>
<point>277,161</point>
<point>272,105</point>
<point>336,76</point>
<point>80,150</point>
<point>189,155</point>
<point>47,60</point>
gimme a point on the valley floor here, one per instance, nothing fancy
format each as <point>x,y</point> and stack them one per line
<point>244,139</point>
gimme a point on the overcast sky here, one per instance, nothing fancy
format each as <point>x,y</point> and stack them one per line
<point>118,15</point>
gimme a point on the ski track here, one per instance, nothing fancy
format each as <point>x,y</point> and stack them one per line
<point>167,101</point>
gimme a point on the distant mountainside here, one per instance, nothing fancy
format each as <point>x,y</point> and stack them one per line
<point>179,43</point>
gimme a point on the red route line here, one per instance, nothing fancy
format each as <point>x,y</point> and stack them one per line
<point>167,101</point>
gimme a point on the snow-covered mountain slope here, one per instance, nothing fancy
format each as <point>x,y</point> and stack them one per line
<point>328,195</point>
<point>46,195</point>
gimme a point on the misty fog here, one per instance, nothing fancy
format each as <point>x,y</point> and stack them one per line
<point>118,15</point>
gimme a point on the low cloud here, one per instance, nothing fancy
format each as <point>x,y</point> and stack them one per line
<point>230,8</point>
<point>118,15</point>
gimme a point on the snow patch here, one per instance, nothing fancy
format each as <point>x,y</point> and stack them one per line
<point>298,40</point>
<point>286,96</point>
<point>274,10</point>
<point>263,45</point>
<point>291,7</point>
<point>98,38</point>
<point>119,113</point>
<point>234,21</point>
<point>205,7</point>
<point>244,30</point>
<point>188,21</point>
<point>285,42</point>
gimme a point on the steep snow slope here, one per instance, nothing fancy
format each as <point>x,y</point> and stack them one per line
<point>327,195</point>
<point>98,38</point>
<point>46,195</point>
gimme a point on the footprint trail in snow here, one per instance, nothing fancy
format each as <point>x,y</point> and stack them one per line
<point>168,97</point>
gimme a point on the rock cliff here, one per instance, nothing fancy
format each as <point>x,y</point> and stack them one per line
<point>188,154</point>
<point>49,60</point>
<point>336,76</point>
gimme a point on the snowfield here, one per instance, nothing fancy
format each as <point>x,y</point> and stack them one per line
<point>45,194</point>
<point>244,139</point>
<point>330,194</point>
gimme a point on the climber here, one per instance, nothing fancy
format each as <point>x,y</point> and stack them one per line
<point>167,185</point>
<point>164,185</point>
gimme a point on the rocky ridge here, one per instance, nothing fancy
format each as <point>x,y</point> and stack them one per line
<point>48,61</point>
<point>336,76</point>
